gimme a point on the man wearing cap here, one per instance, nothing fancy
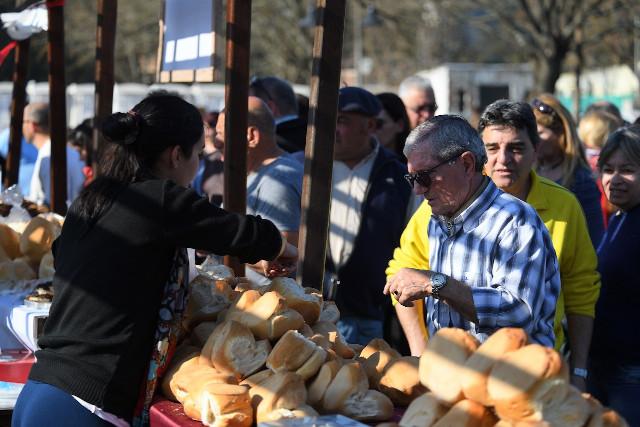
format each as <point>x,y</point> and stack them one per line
<point>368,213</point>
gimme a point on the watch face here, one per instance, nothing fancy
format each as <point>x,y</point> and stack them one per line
<point>438,279</point>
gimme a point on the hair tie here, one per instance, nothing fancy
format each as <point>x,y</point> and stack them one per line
<point>133,135</point>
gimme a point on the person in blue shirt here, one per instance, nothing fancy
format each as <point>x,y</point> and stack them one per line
<point>28,155</point>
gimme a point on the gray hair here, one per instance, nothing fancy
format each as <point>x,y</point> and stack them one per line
<point>414,82</point>
<point>38,112</point>
<point>448,136</point>
<point>279,91</point>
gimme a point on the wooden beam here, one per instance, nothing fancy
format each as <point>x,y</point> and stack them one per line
<point>105,78</point>
<point>57,107</point>
<point>236,98</point>
<point>18,101</point>
<point>318,165</point>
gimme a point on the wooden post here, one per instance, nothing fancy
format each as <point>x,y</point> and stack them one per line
<point>321,130</point>
<point>235,127</point>
<point>57,107</point>
<point>105,47</point>
<point>18,101</point>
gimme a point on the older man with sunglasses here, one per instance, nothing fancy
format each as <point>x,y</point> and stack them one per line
<point>491,263</point>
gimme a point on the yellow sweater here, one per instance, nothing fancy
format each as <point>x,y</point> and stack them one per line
<point>562,215</point>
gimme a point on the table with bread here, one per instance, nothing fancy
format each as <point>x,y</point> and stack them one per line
<point>273,354</point>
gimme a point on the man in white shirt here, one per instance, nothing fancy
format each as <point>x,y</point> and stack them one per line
<point>35,129</point>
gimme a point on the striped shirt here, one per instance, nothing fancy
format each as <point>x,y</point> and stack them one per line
<point>501,249</point>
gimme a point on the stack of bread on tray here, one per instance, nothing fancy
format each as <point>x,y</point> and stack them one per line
<point>272,353</point>
<point>25,248</point>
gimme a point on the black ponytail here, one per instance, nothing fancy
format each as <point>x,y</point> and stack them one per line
<point>135,142</point>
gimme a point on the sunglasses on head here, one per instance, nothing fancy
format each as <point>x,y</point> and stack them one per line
<point>543,108</point>
<point>423,177</point>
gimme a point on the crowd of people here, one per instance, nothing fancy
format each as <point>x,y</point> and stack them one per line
<point>529,220</point>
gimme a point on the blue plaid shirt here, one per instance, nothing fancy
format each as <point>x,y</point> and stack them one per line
<point>499,246</point>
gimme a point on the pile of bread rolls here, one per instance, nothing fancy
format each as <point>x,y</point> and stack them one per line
<point>503,382</point>
<point>25,249</point>
<point>265,354</point>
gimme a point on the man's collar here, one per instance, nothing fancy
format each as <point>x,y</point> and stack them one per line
<point>537,197</point>
<point>286,118</point>
<point>468,215</point>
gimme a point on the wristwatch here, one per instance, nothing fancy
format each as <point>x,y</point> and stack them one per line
<point>438,281</point>
<point>580,372</point>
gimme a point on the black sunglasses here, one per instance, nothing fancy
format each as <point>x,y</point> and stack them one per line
<point>257,85</point>
<point>543,108</point>
<point>423,177</point>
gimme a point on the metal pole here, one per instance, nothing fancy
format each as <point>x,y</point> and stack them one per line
<point>321,132</point>
<point>235,127</point>
<point>57,108</point>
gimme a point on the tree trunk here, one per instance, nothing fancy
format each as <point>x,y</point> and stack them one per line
<point>549,68</point>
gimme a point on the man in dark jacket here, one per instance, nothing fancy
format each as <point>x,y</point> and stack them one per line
<point>368,213</point>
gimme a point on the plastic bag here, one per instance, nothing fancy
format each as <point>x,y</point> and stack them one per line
<point>18,216</point>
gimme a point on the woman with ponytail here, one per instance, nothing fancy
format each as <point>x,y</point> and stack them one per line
<point>121,270</point>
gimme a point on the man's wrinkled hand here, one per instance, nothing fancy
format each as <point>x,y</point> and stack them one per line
<point>408,285</point>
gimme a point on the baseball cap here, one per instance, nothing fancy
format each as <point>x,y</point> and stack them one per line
<point>353,99</point>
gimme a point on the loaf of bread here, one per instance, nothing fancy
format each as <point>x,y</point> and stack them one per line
<point>286,414</point>
<point>308,305</point>
<point>478,367</point>
<point>321,382</point>
<point>184,358</point>
<point>369,406</point>
<point>220,405</point>
<point>467,413</point>
<point>207,299</point>
<point>338,343</point>
<point>526,381</point>
<point>423,412</point>
<point>191,375</point>
<point>401,382</point>
<point>442,361</point>
<point>255,379</point>
<point>375,357</point>
<point>295,353</point>
<point>10,241</point>
<point>232,349</point>
<point>282,390</point>
<point>350,380</point>
<point>573,411</point>
<point>37,238</point>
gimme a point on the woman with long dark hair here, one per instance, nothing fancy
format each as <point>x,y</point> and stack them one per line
<point>394,126</point>
<point>122,270</point>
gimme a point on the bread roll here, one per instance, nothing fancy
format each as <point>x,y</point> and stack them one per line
<point>46,269</point>
<point>369,406</point>
<point>16,270</point>
<point>423,412</point>
<point>287,414</point>
<point>573,411</point>
<point>313,363</point>
<point>350,380</point>
<point>207,299</point>
<point>184,356</point>
<point>467,413</point>
<point>220,405</point>
<point>442,361</point>
<point>375,357</point>
<point>10,241</point>
<point>338,342</point>
<point>282,390</point>
<point>3,255</point>
<point>308,305</point>
<point>231,348</point>
<point>306,331</point>
<point>290,352</point>
<point>329,313</point>
<point>401,382</point>
<point>526,381</point>
<point>321,382</point>
<point>278,324</point>
<point>37,238</point>
<point>479,365</point>
<point>192,375</point>
<point>257,378</point>
<point>202,332</point>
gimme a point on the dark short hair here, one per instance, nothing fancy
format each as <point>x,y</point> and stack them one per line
<point>513,114</point>
<point>274,89</point>
<point>627,140</point>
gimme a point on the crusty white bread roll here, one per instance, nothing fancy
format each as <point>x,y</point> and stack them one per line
<point>401,381</point>
<point>220,405</point>
<point>10,241</point>
<point>282,390</point>
<point>350,380</point>
<point>290,352</point>
<point>478,366</point>
<point>369,406</point>
<point>442,361</point>
<point>573,411</point>
<point>207,299</point>
<point>201,333</point>
<point>192,375</point>
<point>184,356</point>
<point>37,237</point>
<point>257,378</point>
<point>278,324</point>
<point>313,363</point>
<point>339,344</point>
<point>17,269</point>
<point>321,382</point>
<point>46,269</point>
<point>329,313</point>
<point>375,357</point>
<point>467,413</point>
<point>231,348</point>
<point>423,412</point>
<point>526,381</point>
<point>287,414</point>
<point>308,305</point>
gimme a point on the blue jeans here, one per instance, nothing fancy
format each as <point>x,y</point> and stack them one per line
<point>618,387</point>
<point>41,404</point>
<point>357,330</point>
